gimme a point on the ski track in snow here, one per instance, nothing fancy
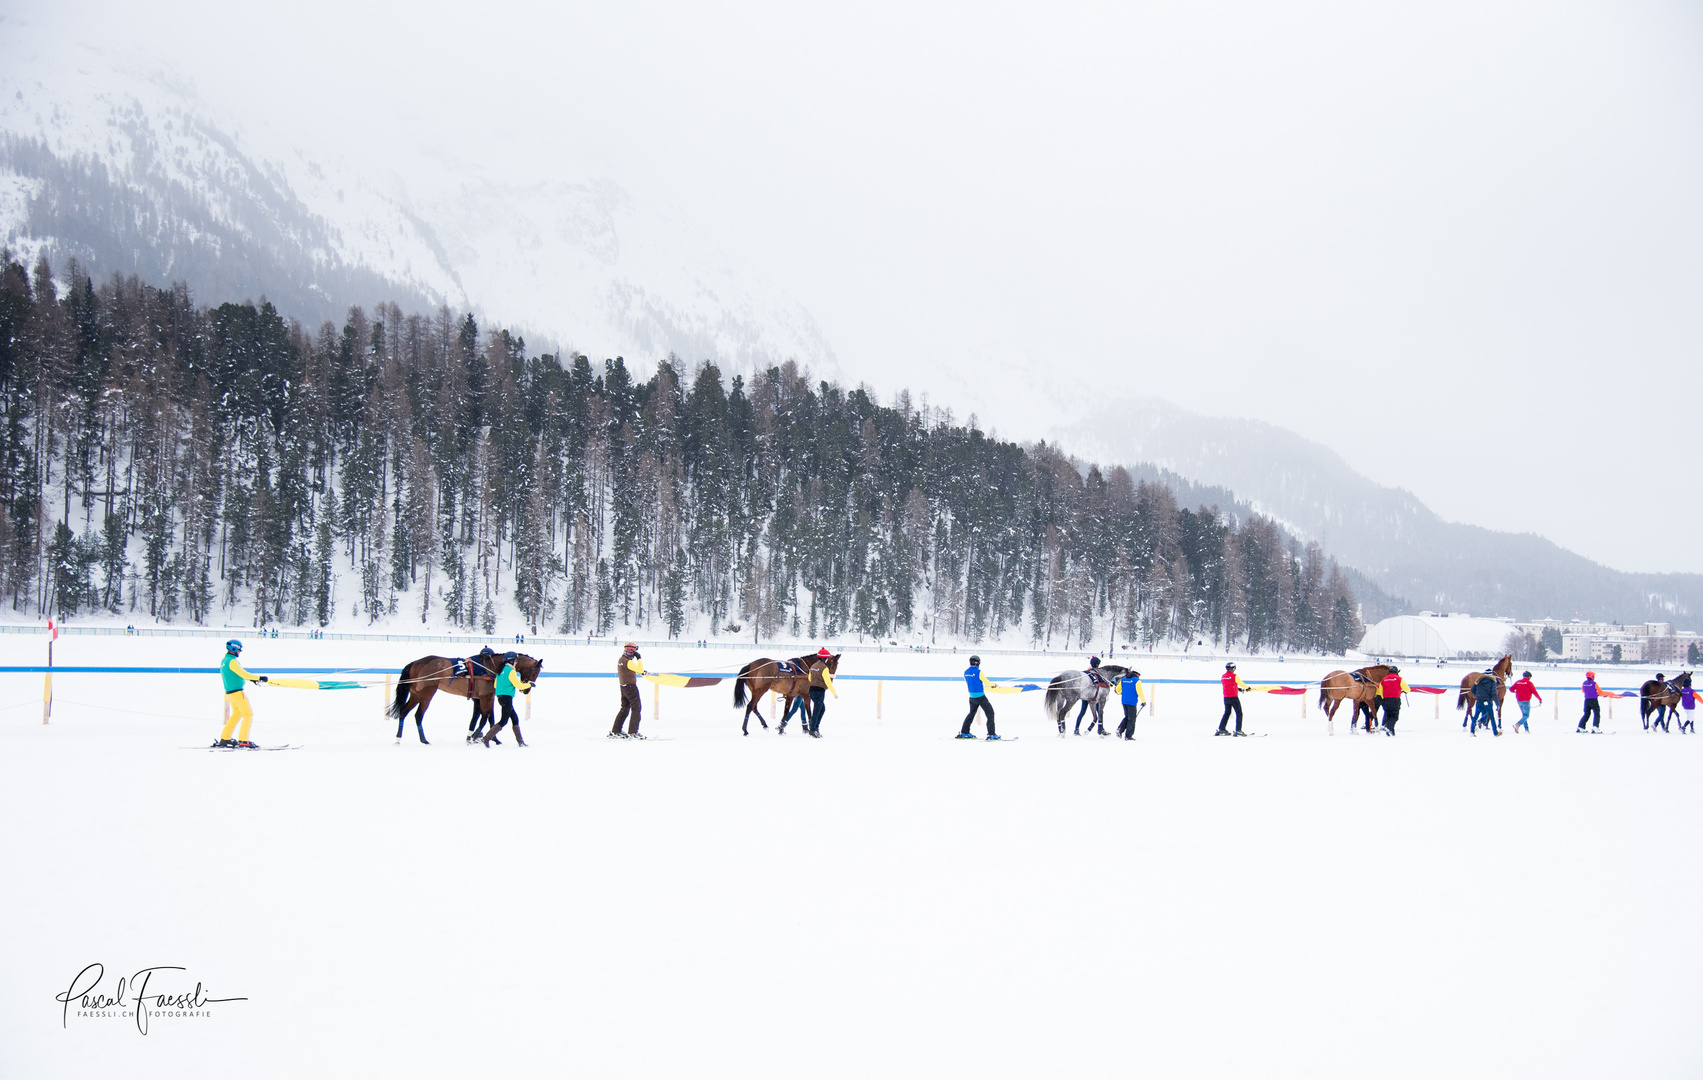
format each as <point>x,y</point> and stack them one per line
<point>885,901</point>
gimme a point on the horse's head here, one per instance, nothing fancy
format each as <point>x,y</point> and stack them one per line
<point>1504,667</point>
<point>834,663</point>
<point>529,668</point>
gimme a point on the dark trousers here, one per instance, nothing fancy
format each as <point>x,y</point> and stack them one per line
<point>1231,705</point>
<point>1592,709</point>
<point>1392,713</point>
<point>984,705</point>
<point>506,703</point>
<point>630,705</point>
<point>1485,716</point>
<point>818,704</point>
<point>1127,728</point>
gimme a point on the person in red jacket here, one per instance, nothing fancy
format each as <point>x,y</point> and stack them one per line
<point>1233,685</point>
<point>1391,690</point>
<point>1524,690</point>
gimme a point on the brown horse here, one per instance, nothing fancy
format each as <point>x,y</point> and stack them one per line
<point>425,677</point>
<point>1342,685</point>
<point>1502,669</point>
<point>1661,698</point>
<point>762,675</point>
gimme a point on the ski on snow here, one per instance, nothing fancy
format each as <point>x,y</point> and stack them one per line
<point>241,749</point>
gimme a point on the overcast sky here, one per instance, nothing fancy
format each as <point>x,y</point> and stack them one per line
<point>1460,243</point>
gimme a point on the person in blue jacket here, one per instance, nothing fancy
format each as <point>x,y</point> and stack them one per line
<point>1133,697</point>
<point>978,698</point>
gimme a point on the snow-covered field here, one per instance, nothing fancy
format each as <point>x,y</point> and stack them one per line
<point>884,901</point>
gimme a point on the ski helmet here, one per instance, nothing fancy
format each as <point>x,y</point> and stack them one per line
<point>1230,667</point>
<point>508,658</point>
<point>1525,674</point>
<point>1394,669</point>
<point>630,647</point>
<point>1660,677</point>
<point>974,660</point>
<point>1093,661</point>
<point>1590,674</point>
<point>233,646</point>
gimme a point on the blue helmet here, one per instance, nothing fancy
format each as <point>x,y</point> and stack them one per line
<point>233,646</point>
<point>1093,661</point>
<point>508,657</point>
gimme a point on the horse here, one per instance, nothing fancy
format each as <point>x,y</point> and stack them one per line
<point>1502,669</point>
<point>762,675</point>
<point>1661,698</point>
<point>423,678</point>
<point>1069,688</point>
<point>1340,685</point>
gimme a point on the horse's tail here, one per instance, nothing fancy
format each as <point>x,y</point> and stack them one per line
<point>1461,700</point>
<point>1056,705</point>
<point>1323,700</point>
<point>739,686</point>
<point>403,685</point>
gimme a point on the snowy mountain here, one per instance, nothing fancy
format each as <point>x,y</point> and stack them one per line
<point>119,163</point>
<point>1386,533</point>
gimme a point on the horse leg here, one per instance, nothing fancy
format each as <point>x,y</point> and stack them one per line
<point>420,717</point>
<point>402,717</point>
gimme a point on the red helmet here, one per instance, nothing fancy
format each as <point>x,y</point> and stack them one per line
<point>630,647</point>
<point>823,652</point>
<point>1590,674</point>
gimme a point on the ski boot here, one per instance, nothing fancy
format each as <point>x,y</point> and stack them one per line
<point>223,744</point>
<point>1220,731</point>
<point>991,738</point>
<point>245,745</point>
<point>616,735</point>
<point>967,735</point>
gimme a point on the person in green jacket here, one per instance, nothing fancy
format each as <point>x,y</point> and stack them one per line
<point>508,681</point>
<point>234,676</point>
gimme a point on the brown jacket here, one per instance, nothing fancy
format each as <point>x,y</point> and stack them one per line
<point>627,675</point>
<point>816,671</point>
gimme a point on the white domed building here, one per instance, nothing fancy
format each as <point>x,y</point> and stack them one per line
<point>1445,637</point>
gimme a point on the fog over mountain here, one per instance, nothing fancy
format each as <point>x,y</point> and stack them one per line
<point>122,165</point>
<point>1388,535</point>
<point>111,159</point>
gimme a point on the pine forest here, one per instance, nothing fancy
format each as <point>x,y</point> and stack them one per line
<point>174,464</point>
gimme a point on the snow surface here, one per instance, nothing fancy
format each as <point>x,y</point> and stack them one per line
<point>884,901</point>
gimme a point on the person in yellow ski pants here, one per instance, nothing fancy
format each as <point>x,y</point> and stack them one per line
<point>234,676</point>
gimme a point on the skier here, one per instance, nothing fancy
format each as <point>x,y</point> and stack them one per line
<point>1233,686</point>
<point>1484,692</point>
<point>628,668</point>
<point>1524,690</point>
<point>1392,688</point>
<point>1133,698</point>
<point>1593,708</point>
<point>978,698</point>
<point>1688,702</point>
<point>508,681</point>
<point>234,676</point>
<point>821,679</point>
<point>1096,681</point>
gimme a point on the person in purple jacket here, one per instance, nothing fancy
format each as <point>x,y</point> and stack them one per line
<point>1592,708</point>
<point>1688,702</point>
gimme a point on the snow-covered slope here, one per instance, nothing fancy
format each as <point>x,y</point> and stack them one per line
<point>117,160</point>
<point>1398,542</point>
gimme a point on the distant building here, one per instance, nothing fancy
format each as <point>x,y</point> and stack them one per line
<point>1449,637</point>
<point>1671,648</point>
<point>1601,648</point>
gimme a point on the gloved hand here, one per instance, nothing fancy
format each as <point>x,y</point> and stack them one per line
<point>261,679</point>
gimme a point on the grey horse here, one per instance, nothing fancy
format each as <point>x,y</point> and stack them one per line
<point>1073,687</point>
